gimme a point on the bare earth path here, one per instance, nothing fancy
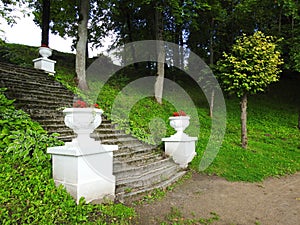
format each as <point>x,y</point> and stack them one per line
<point>275,201</point>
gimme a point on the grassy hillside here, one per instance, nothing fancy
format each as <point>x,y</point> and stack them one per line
<point>272,118</point>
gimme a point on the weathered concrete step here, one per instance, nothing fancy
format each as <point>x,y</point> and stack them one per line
<point>41,103</point>
<point>129,152</point>
<point>121,195</point>
<point>26,86</point>
<point>31,84</point>
<point>22,72</point>
<point>123,168</point>
<point>21,79</point>
<point>138,159</point>
<point>7,67</point>
<point>122,140</point>
<point>42,94</point>
<point>45,113</point>
<point>103,136</point>
<point>137,180</point>
<point>19,82</point>
<point>19,71</point>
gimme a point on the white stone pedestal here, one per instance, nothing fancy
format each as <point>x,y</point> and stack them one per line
<point>181,148</point>
<point>85,170</point>
<point>44,64</point>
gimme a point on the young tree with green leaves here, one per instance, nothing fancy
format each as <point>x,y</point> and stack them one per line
<point>251,66</point>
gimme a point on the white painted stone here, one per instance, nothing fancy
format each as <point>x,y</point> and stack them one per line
<point>44,64</point>
<point>45,52</point>
<point>181,149</point>
<point>180,146</point>
<point>84,166</point>
<point>84,172</point>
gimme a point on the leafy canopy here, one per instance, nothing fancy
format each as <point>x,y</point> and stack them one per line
<point>251,66</point>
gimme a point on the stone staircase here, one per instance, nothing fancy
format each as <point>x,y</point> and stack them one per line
<point>138,167</point>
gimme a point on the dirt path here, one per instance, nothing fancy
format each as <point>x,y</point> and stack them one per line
<point>276,201</point>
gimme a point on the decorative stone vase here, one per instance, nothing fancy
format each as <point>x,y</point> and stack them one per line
<point>180,146</point>
<point>45,52</point>
<point>179,123</point>
<point>83,121</point>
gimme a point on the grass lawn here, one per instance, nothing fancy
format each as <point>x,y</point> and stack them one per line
<point>273,136</point>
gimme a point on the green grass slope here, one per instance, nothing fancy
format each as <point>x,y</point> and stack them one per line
<point>272,119</point>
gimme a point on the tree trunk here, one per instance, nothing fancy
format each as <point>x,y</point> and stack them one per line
<point>81,45</point>
<point>159,84</point>
<point>299,120</point>
<point>211,62</point>
<point>279,20</point>
<point>211,40</point>
<point>45,23</point>
<point>211,105</point>
<point>244,137</point>
<point>130,32</point>
<point>176,47</point>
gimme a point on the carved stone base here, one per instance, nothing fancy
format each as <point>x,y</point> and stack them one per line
<point>84,173</point>
<point>44,64</point>
<point>181,149</point>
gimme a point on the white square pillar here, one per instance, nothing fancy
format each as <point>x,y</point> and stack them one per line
<point>87,173</point>
<point>44,64</point>
<point>181,149</point>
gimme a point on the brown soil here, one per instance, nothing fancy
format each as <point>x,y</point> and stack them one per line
<point>275,201</point>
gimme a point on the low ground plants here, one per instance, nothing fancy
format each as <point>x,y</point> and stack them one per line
<point>175,217</point>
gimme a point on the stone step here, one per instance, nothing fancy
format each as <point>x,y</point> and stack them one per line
<point>128,178</point>
<point>129,152</point>
<point>23,72</point>
<point>33,93</point>
<point>7,67</point>
<point>146,179</point>
<point>139,158</point>
<point>123,168</point>
<point>41,104</point>
<point>121,195</point>
<point>19,80</point>
<point>27,73</point>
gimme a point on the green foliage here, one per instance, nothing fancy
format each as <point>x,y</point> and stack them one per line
<point>148,120</point>
<point>252,65</point>
<point>18,54</point>
<point>28,194</point>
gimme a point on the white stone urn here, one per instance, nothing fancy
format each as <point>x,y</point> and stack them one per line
<point>180,146</point>
<point>45,52</point>
<point>83,121</point>
<point>179,123</point>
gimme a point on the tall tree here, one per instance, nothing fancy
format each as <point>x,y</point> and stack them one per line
<point>158,87</point>
<point>82,43</point>
<point>45,23</point>
<point>251,66</point>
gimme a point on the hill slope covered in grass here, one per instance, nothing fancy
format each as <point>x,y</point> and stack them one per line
<point>272,119</point>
